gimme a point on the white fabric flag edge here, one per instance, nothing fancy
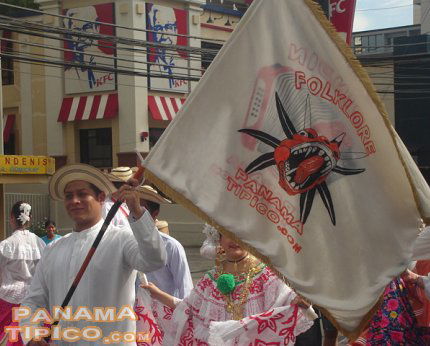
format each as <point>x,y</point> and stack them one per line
<point>419,188</point>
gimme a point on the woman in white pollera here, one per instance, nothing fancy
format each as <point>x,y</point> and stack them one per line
<point>19,255</point>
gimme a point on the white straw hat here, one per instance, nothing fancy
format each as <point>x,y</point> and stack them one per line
<point>123,173</point>
<point>74,172</point>
<point>148,193</point>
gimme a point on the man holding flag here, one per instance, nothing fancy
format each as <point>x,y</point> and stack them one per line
<point>109,280</point>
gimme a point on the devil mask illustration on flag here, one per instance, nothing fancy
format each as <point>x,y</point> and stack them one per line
<point>304,161</point>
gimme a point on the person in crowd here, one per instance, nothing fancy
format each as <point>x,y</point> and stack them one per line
<point>163,226</point>
<point>175,277</point>
<point>239,302</point>
<point>51,231</point>
<point>421,251</point>
<point>398,321</point>
<point>19,255</point>
<point>109,280</point>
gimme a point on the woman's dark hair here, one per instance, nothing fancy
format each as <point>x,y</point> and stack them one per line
<point>17,211</point>
<point>50,222</point>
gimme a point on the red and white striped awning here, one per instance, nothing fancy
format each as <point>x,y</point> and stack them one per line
<point>89,108</point>
<point>8,121</point>
<point>164,108</point>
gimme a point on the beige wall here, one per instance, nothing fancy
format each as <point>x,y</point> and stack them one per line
<point>26,99</point>
<point>219,21</point>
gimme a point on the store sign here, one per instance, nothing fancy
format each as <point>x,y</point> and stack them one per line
<point>88,49</point>
<point>164,57</point>
<point>17,164</point>
<point>342,16</point>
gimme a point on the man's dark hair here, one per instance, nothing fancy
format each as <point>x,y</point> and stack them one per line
<point>118,184</point>
<point>50,222</point>
<point>96,190</point>
<point>152,207</point>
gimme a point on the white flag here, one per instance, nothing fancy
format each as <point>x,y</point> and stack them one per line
<point>285,145</point>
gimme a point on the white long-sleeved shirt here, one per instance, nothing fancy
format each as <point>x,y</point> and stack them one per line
<point>175,277</point>
<point>109,279</point>
<point>19,255</point>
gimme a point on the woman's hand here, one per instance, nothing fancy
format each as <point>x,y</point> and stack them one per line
<point>155,292</point>
<point>161,296</point>
<point>411,278</point>
<point>302,303</point>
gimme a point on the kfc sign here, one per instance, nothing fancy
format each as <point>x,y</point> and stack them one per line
<point>342,17</point>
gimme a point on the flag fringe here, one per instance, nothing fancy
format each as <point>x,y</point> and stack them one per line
<point>179,198</point>
<point>362,74</point>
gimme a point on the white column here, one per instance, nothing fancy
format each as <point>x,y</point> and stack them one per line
<point>26,109</point>
<point>54,83</point>
<point>132,90</point>
<point>194,12</point>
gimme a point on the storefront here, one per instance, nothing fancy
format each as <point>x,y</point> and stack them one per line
<point>18,169</point>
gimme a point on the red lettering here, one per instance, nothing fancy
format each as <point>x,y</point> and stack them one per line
<point>364,134</point>
<point>261,208</point>
<point>231,184</point>
<point>245,195</point>
<point>357,119</point>
<point>283,230</point>
<point>241,175</point>
<point>314,85</point>
<point>338,97</point>
<point>298,227</point>
<point>252,186</point>
<point>326,92</point>
<point>273,217</point>
<point>300,80</point>
<point>346,107</point>
<point>370,147</point>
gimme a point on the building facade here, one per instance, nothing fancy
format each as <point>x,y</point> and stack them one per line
<point>79,114</point>
<point>398,62</point>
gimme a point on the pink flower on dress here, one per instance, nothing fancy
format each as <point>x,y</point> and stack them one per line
<point>393,304</point>
<point>384,322</point>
